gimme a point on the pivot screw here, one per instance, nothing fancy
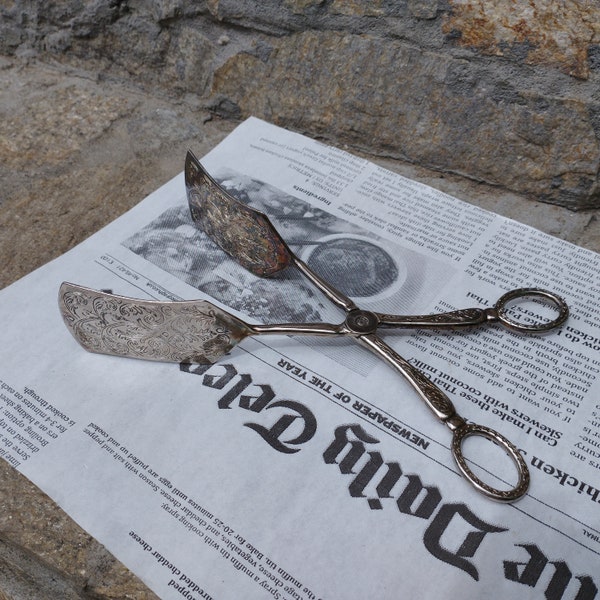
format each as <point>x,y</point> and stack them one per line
<point>362,321</point>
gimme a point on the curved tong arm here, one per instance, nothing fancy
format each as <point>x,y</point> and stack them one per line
<point>332,294</point>
<point>296,329</point>
<point>444,410</point>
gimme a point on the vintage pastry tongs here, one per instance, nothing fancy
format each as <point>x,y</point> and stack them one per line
<point>198,331</point>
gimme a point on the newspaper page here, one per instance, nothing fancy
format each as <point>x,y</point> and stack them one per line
<point>304,467</point>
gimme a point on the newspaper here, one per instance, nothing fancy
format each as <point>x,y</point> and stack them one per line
<point>304,468</point>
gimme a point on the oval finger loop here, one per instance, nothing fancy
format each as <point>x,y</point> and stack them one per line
<point>472,429</point>
<point>529,320</point>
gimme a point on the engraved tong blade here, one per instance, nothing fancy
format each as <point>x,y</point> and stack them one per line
<point>244,233</point>
<point>194,331</point>
<point>187,331</point>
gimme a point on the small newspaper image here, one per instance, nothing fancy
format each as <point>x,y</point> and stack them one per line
<point>306,467</point>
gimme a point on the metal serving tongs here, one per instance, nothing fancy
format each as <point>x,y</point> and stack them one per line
<point>200,332</point>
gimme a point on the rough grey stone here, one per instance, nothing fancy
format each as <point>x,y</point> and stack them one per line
<point>10,38</point>
<point>22,575</point>
<point>423,9</point>
<point>154,130</point>
<point>498,92</point>
<point>189,58</point>
<point>437,111</point>
<point>549,32</point>
<point>45,555</point>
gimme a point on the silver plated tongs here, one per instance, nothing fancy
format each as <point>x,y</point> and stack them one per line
<point>201,332</point>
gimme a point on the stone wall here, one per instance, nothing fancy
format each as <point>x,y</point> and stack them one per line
<point>502,92</point>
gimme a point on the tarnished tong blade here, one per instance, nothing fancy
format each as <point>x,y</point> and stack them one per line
<point>246,234</point>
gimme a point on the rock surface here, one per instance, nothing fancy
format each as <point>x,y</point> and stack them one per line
<point>501,92</point>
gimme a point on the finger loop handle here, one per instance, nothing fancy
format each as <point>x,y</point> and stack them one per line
<point>472,429</point>
<point>501,310</point>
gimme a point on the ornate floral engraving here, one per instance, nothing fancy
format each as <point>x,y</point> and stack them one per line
<point>245,234</point>
<point>456,318</point>
<point>469,429</point>
<point>437,401</point>
<point>194,331</point>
